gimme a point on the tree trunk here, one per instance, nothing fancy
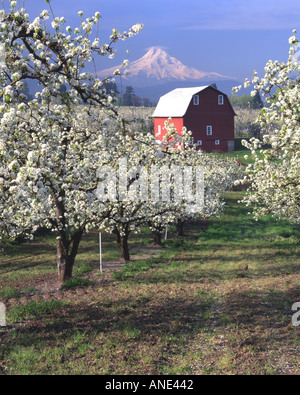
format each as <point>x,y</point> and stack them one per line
<point>123,245</point>
<point>64,264</point>
<point>179,227</point>
<point>66,260</point>
<point>67,248</point>
<point>157,237</point>
<point>122,241</point>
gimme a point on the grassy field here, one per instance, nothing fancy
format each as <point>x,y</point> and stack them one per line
<point>217,301</point>
<point>244,156</point>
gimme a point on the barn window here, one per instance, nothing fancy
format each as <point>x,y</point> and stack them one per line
<point>209,130</point>
<point>196,100</point>
<point>217,142</point>
<point>220,99</point>
<point>199,142</point>
<point>158,130</point>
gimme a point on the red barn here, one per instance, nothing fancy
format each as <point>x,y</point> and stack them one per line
<point>205,111</point>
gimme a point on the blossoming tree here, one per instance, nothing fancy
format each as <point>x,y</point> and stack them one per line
<point>161,183</point>
<point>55,149</point>
<point>51,148</point>
<point>208,177</point>
<point>275,175</point>
<point>126,188</point>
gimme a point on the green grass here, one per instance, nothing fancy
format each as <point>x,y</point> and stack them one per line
<point>192,309</point>
<point>82,269</point>
<point>76,282</point>
<point>132,269</point>
<point>9,292</point>
<point>239,155</point>
<point>32,309</point>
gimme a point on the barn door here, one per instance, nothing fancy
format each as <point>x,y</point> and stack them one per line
<point>230,145</point>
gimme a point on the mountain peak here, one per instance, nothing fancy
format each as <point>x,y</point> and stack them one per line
<point>158,65</point>
<point>155,51</point>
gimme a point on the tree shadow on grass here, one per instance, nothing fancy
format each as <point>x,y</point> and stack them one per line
<point>252,322</point>
<point>262,320</point>
<point>146,323</point>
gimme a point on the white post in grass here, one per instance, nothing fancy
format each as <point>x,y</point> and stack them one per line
<point>166,233</point>
<point>2,314</point>
<point>100,250</point>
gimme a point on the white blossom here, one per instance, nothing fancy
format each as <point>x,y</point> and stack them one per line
<point>274,176</point>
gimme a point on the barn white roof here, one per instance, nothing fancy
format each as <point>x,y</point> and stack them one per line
<point>176,102</point>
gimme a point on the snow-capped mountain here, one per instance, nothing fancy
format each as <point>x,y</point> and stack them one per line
<point>157,64</point>
<point>157,67</point>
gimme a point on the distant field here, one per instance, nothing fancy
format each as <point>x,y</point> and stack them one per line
<point>142,112</point>
<point>244,156</point>
<point>217,301</point>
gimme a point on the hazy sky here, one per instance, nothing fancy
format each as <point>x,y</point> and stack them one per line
<point>231,37</point>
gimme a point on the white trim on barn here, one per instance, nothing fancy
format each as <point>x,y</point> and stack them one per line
<point>176,102</point>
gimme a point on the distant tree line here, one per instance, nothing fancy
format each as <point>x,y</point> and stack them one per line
<point>129,98</point>
<point>247,101</point>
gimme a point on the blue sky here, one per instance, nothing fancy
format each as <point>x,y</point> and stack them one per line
<point>231,37</point>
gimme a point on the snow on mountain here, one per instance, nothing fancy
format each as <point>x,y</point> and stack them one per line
<point>157,65</point>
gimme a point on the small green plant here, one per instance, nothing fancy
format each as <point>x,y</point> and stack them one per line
<point>76,282</point>
<point>29,290</point>
<point>131,331</point>
<point>206,299</point>
<point>132,269</point>
<point>85,268</point>
<point>32,309</point>
<point>179,244</point>
<point>8,293</point>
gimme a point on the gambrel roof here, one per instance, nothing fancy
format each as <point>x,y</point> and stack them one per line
<point>176,102</point>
